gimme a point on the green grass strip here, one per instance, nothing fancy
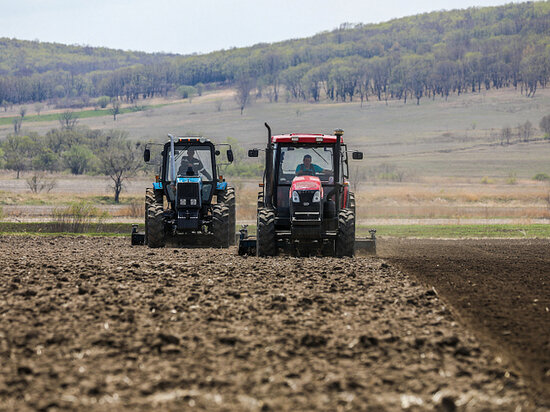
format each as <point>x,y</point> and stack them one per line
<point>83,114</point>
<point>460,231</point>
<point>403,231</point>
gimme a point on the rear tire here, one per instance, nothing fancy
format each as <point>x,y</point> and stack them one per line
<point>220,225</point>
<point>228,198</point>
<point>155,235</point>
<point>152,197</point>
<point>345,241</point>
<point>266,243</point>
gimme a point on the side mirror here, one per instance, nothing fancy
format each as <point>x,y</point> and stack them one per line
<point>230,155</point>
<point>357,155</point>
<point>146,155</point>
<point>253,153</point>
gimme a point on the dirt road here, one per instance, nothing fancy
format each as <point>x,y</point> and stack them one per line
<point>93,323</point>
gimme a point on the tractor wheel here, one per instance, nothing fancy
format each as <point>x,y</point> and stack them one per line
<point>260,200</point>
<point>155,226</point>
<point>220,225</point>
<point>151,197</point>
<point>228,199</point>
<point>345,241</point>
<point>266,243</point>
<point>351,205</point>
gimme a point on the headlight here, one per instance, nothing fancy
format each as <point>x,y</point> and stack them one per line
<point>316,197</point>
<point>193,202</point>
<point>183,202</point>
<point>295,197</point>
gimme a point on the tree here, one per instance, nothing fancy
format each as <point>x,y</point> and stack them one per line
<point>38,108</point>
<point>525,131</point>
<point>120,160</point>
<point>244,86</point>
<point>78,159</point>
<point>187,92</point>
<point>545,125</point>
<point>103,101</point>
<point>505,135</point>
<point>17,123</point>
<point>68,120</point>
<point>115,110</point>
<point>200,88</point>
<point>18,152</point>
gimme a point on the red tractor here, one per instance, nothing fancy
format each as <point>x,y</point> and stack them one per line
<point>306,205</point>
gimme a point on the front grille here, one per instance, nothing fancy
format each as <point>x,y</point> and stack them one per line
<point>188,190</point>
<point>306,196</point>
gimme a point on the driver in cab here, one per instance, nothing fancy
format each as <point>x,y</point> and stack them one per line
<point>191,166</point>
<point>308,168</point>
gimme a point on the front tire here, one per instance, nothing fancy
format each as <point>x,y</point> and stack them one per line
<point>220,225</point>
<point>156,236</point>
<point>345,241</point>
<point>228,198</point>
<point>266,243</point>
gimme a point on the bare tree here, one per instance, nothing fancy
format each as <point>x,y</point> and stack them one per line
<point>17,122</point>
<point>38,183</point>
<point>120,160</point>
<point>244,86</point>
<point>115,110</point>
<point>545,125</point>
<point>38,108</point>
<point>505,135</point>
<point>68,120</point>
<point>22,112</point>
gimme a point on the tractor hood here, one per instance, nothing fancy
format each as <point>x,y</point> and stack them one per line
<point>305,183</point>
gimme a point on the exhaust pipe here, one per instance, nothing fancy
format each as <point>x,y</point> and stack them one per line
<point>268,169</point>
<point>172,159</point>
<point>337,150</point>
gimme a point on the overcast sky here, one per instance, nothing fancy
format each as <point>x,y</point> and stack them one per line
<point>198,26</point>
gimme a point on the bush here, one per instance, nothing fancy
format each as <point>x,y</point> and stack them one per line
<point>78,159</point>
<point>38,183</point>
<point>541,177</point>
<point>186,92</point>
<point>512,179</point>
<point>77,217</point>
<point>486,180</point>
<point>103,101</point>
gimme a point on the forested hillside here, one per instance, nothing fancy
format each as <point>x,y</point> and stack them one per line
<point>421,56</point>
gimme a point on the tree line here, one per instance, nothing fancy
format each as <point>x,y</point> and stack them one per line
<point>422,56</point>
<point>75,149</point>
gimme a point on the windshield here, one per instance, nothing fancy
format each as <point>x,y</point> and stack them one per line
<point>192,161</point>
<point>306,160</point>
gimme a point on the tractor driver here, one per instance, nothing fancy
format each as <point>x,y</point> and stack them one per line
<point>191,166</point>
<point>308,168</point>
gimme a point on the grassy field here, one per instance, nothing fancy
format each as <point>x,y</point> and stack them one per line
<point>441,159</point>
<point>400,231</point>
<point>458,137</point>
<point>523,201</point>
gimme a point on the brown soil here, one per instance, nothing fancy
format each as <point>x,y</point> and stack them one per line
<point>499,288</point>
<point>95,324</point>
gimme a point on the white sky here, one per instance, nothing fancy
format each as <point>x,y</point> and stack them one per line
<point>199,26</point>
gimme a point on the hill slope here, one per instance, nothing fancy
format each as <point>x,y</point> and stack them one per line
<point>430,54</point>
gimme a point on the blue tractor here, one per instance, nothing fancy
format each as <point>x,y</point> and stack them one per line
<point>189,202</point>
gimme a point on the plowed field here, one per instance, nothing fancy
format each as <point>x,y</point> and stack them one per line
<point>95,324</point>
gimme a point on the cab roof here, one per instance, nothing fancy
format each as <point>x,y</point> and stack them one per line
<point>190,139</point>
<point>305,138</point>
